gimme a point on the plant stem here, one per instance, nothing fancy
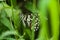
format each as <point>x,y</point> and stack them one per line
<point>53,6</point>
<point>42,19</point>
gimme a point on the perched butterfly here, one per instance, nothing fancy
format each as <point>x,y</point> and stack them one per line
<point>27,21</point>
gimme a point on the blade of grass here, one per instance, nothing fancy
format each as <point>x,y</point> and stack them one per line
<point>33,22</point>
<point>13,18</point>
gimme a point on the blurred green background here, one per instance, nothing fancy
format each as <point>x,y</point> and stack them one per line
<point>18,19</point>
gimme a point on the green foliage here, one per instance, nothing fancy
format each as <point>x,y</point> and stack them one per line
<point>12,28</point>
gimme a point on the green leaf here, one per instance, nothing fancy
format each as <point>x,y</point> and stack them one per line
<point>7,23</point>
<point>1,6</point>
<point>29,6</point>
<point>10,38</point>
<point>8,11</point>
<point>8,33</point>
<point>28,32</point>
<point>21,39</point>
